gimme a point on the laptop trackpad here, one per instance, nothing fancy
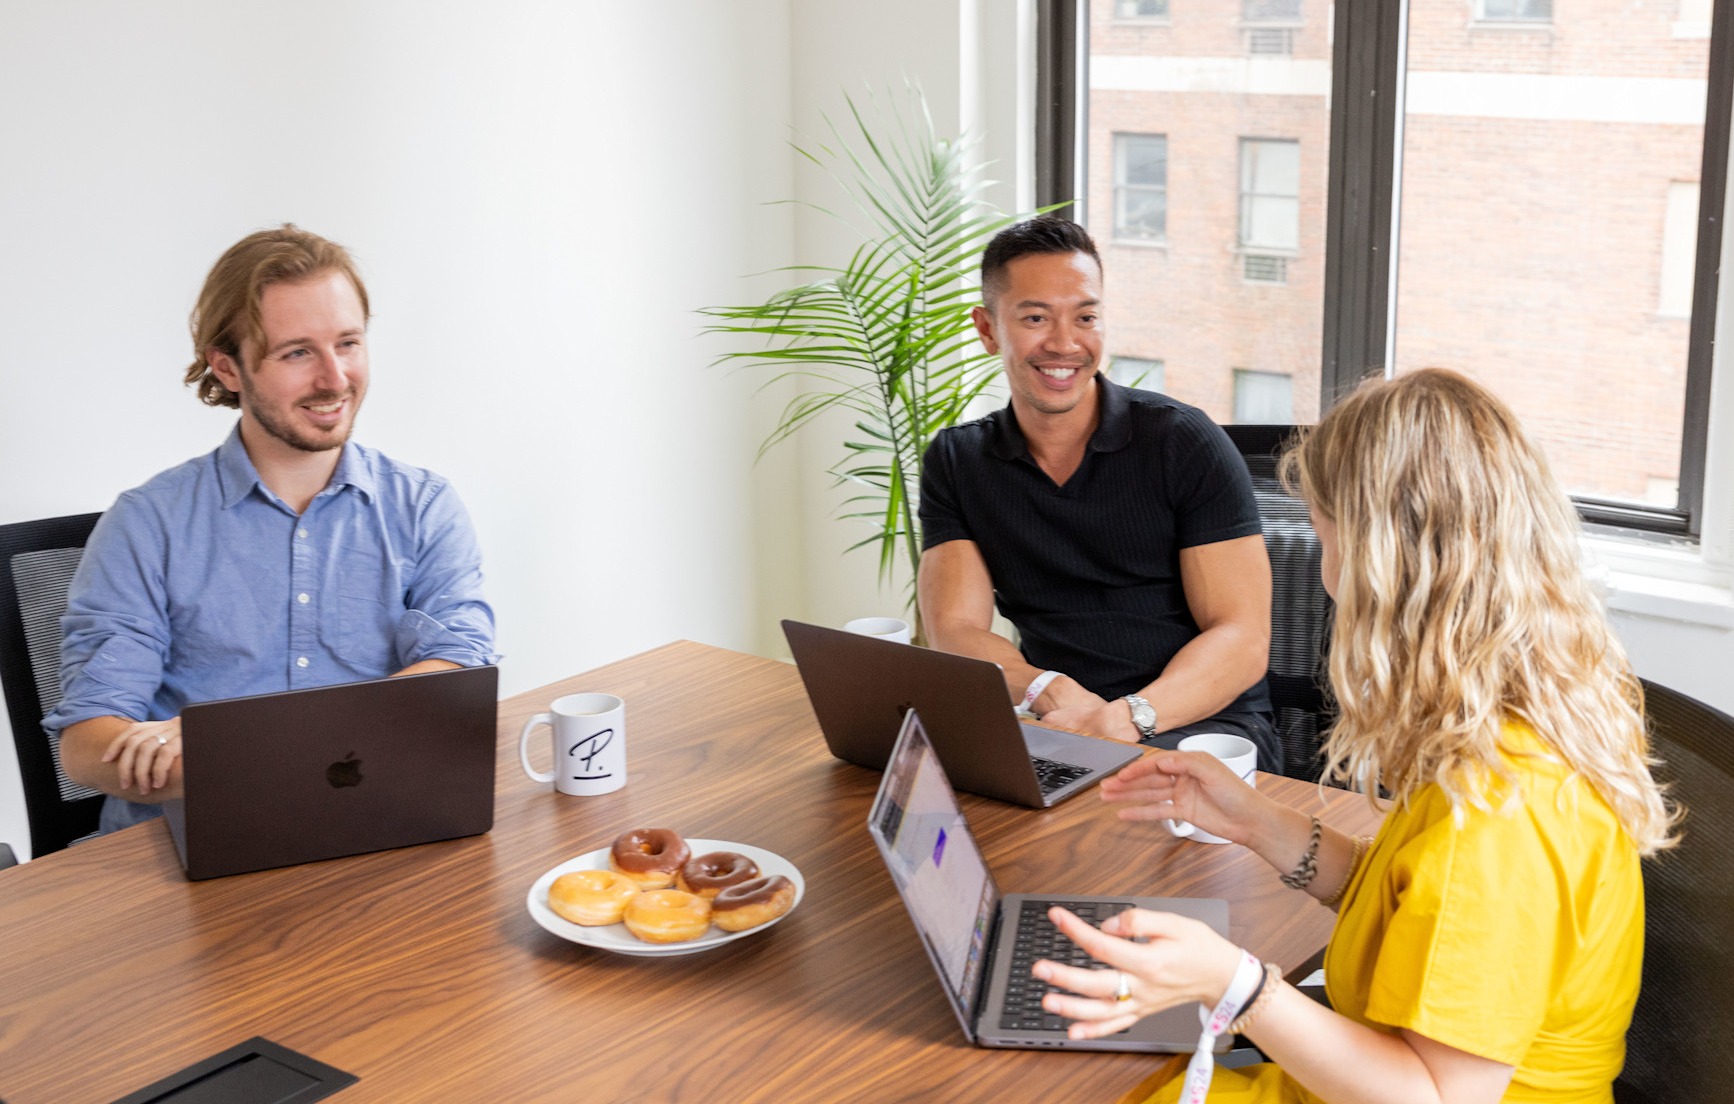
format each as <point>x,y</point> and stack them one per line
<point>1084,751</point>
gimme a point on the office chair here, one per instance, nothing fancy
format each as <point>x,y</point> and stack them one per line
<point>37,559</point>
<point>1300,610</point>
<point>1677,1048</point>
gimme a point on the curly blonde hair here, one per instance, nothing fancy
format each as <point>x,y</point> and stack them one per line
<point>1462,604</point>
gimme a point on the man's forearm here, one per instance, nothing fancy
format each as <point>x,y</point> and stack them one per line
<point>969,640</point>
<point>1206,675</point>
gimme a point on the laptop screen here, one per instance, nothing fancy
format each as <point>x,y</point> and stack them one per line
<point>936,865</point>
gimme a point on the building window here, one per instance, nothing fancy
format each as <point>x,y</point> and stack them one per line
<point>1515,11</point>
<point>1140,187</point>
<point>1263,398</point>
<point>1452,218</point>
<point>1270,11</point>
<point>1140,372</point>
<point>1269,194</point>
<point>1140,9</point>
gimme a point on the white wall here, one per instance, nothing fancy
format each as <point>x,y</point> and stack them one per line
<point>540,193</point>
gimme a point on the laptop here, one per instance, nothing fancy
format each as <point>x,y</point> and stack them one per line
<point>861,688</point>
<point>280,779</point>
<point>982,942</point>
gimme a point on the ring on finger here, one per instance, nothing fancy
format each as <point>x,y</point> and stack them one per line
<point>162,740</point>
<point>1122,988</point>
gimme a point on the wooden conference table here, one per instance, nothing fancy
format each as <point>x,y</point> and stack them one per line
<point>421,971</point>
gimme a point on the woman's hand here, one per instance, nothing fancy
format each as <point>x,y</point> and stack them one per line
<point>1181,960</point>
<point>147,755</point>
<point>1188,785</point>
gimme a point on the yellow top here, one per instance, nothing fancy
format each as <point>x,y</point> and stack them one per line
<point>1516,934</point>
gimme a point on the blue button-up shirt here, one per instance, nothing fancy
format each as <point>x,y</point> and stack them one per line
<point>202,585</point>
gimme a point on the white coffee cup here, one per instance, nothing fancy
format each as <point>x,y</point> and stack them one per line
<point>1239,753</point>
<point>589,732</point>
<point>885,628</point>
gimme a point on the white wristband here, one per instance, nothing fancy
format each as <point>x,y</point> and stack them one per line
<point>1216,1021</point>
<point>1037,685</point>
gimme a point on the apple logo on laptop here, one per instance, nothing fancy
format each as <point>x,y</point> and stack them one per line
<point>345,772</point>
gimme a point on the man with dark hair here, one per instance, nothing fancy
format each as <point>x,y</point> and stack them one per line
<point>1116,528</point>
<point>288,558</point>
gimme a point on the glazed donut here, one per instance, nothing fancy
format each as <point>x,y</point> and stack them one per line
<point>710,874</point>
<point>750,904</point>
<point>667,916</point>
<point>591,897</point>
<point>649,856</point>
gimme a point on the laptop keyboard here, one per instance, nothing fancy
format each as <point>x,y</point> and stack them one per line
<point>1038,938</point>
<point>1054,774</point>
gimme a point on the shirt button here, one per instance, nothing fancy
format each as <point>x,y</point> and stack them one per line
<point>302,598</point>
<point>301,661</point>
<point>302,533</point>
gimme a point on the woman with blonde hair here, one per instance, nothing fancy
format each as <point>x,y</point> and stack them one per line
<point>1489,940</point>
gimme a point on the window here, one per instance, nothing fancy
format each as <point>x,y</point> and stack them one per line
<point>1270,11</point>
<point>1445,212</point>
<point>1140,372</point>
<point>1516,11</point>
<point>1140,187</point>
<point>1140,9</point>
<point>1269,194</point>
<point>1263,398</point>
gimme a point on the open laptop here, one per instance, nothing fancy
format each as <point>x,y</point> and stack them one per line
<point>279,779</point>
<point>861,688</point>
<point>983,942</point>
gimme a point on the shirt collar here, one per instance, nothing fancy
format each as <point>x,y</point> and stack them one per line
<point>1113,429</point>
<point>239,477</point>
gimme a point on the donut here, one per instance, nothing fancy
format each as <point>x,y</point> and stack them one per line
<point>649,856</point>
<point>749,904</point>
<point>709,874</point>
<point>591,897</point>
<point>667,916</point>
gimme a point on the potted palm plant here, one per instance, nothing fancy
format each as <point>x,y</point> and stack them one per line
<point>885,338</point>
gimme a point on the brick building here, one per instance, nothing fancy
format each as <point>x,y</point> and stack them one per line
<point>1551,154</point>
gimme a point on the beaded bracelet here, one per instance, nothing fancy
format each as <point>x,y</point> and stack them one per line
<point>1267,988</point>
<point>1361,845</point>
<point>1308,868</point>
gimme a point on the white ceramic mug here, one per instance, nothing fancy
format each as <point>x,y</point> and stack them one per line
<point>589,732</point>
<point>1238,752</point>
<point>885,628</point>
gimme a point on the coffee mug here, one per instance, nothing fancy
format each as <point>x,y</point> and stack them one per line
<point>885,628</point>
<point>1238,752</point>
<point>589,732</point>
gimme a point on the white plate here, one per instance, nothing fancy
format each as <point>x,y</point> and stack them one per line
<point>615,937</point>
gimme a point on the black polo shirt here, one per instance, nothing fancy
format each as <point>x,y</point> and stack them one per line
<point>1089,572</point>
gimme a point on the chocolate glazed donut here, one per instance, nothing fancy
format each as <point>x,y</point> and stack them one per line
<point>712,873</point>
<point>650,856</point>
<point>750,904</point>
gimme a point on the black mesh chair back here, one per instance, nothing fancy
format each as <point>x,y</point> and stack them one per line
<point>1300,610</point>
<point>37,559</point>
<point>1677,1049</point>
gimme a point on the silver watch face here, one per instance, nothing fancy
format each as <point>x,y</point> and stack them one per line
<point>1142,715</point>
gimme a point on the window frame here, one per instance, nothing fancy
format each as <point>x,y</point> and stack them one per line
<point>1363,210</point>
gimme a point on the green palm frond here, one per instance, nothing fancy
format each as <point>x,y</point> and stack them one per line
<point>887,339</point>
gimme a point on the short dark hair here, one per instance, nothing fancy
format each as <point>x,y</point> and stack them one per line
<point>1042,234</point>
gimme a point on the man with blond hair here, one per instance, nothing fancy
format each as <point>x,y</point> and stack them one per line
<point>288,558</point>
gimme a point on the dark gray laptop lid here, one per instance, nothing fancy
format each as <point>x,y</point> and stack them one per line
<point>861,687</point>
<point>279,779</point>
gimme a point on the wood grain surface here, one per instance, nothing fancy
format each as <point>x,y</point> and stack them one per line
<point>421,971</point>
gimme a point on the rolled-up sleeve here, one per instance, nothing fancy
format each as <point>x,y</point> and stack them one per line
<point>447,617</point>
<point>115,633</point>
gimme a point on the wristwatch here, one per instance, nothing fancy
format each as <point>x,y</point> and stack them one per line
<point>1143,716</point>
